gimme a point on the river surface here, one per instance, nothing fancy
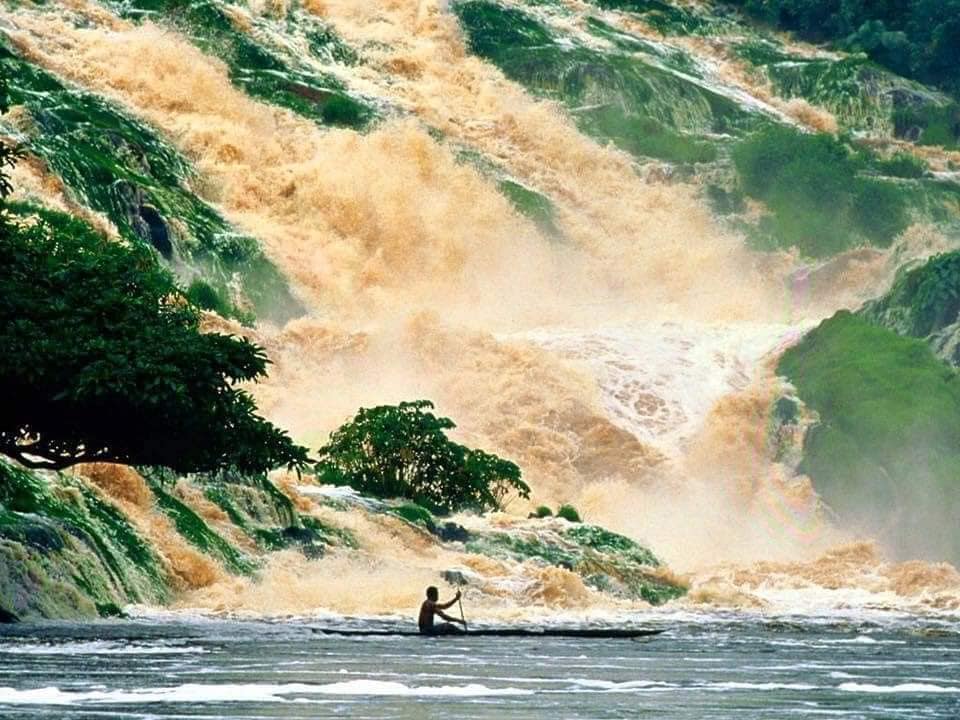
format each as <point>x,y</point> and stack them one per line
<point>701,667</point>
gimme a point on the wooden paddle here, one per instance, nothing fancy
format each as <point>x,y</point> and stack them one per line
<point>462,618</point>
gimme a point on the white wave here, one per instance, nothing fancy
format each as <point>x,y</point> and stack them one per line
<point>195,693</point>
<point>902,688</point>
<point>99,647</point>
<point>611,686</point>
<point>723,686</point>
<point>660,380</point>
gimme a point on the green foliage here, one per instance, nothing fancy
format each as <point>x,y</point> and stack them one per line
<point>637,95</point>
<point>403,451</point>
<point>103,360</point>
<point>414,514</point>
<point>886,451</point>
<point>929,124</point>
<point>923,300</point>
<point>543,512</point>
<point>903,165</point>
<point>196,531</point>
<point>120,167</point>
<point>568,512</point>
<point>916,38</point>
<point>817,201</point>
<point>272,72</point>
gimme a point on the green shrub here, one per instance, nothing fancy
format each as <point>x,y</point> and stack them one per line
<point>568,512</point>
<point>923,300</point>
<point>811,186</point>
<point>916,38</point>
<point>403,451</point>
<point>879,210</point>
<point>903,165</point>
<point>116,368</point>
<point>543,512</point>
<point>413,513</point>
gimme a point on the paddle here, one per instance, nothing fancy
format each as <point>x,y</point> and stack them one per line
<point>462,618</point>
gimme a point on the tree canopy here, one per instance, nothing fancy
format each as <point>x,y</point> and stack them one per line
<point>916,38</point>
<point>102,358</point>
<point>403,451</point>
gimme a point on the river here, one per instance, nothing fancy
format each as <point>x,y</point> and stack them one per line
<point>874,667</point>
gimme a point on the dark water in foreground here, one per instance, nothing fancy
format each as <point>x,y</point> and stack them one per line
<point>721,667</point>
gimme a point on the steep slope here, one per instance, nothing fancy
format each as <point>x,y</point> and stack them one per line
<point>585,229</point>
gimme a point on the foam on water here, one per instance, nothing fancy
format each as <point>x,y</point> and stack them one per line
<point>237,693</point>
<point>902,688</point>
<point>99,647</point>
<point>659,381</point>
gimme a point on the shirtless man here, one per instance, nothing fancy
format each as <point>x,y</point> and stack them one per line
<point>432,607</point>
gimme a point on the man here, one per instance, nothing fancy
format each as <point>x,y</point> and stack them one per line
<point>431,606</point>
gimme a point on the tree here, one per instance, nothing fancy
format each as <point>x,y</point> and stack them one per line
<point>102,359</point>
<point>403,451</point>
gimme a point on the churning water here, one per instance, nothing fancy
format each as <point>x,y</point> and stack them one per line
<point>702,666</point>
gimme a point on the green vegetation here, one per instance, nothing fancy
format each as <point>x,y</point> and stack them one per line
<point>938,124</point>
<point>64,552</point>
<point>543,512</point>
<point>403,451</point>
<point>274,73</point>
<point>414,514</point>
<point>568,512</point>
<point>631,95</point>
<point>924,302</point>
<point>121,168</point>
<point>607,561</point>
<point>531,204</point>
<point>885,452</point>
<point>668,18</point>
<point>192,527</point>
<point>103,360</point>
<point>919,39</point>
<point>818,201</point>
<point>902,165</point>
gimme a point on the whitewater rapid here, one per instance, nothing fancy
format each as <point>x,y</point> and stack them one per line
<point>628,370</point>
<point>712,667</point>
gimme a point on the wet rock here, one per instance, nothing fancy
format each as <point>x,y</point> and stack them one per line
<point>313,552</point>
<point>108,610</point>
<point>455,577</point>
<point>7,617</point>
<point>304,536</point>
<point>451,532</point>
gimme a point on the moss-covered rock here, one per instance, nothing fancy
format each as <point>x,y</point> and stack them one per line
<point>196,531</point>
<point>118,166</point>
<point>924,302</point>
<point>67,553</point>
<point>607,561</point>
<point>885,454</point>
<point>271,71</point>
